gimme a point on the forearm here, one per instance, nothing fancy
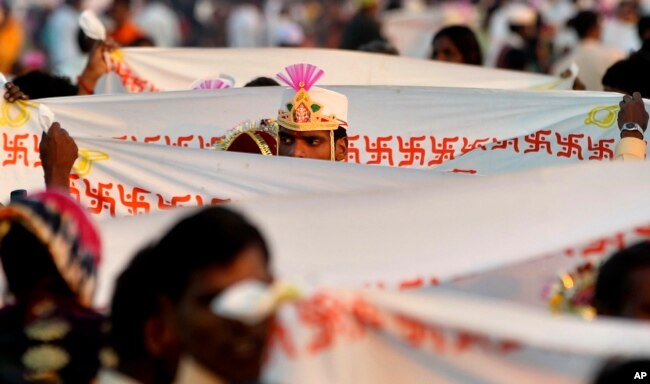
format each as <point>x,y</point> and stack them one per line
<point>57,179</point>
<point>86,83</point>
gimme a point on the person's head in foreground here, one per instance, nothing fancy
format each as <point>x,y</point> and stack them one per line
<point>49,250</point>
<point>312,121</point>
<point>628,76</point>
<point>623,284</point>
<point>146,349</point>
<point>457,44</point>
<point>48,245</point>
<point>199,258</point>
<point>620,370</point>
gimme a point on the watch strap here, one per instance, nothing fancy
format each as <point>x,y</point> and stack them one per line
<point>632,127</point>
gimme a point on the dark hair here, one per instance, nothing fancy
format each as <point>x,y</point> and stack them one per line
<point>340,133</point>
<point>142,41</point>
<point>262,82</point>
<point>394,4</point>
<point>643,27</point>
<point>613,285</point>
<point>213,236</point>
<point>629,75</point>
<point>379,46</point>
<point>584,22</point>
<point>645,50</point>
<point>135,300</point>
<point>465,40</point>
<point>40,85</point>
<point>620,371</point>
<point>27,264</point>
<point>84,42</point>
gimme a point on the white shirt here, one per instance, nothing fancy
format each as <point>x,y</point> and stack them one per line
<point>245,27</point>
<point>60,36</point>
<point>620,35</point>
<point>287,32</point>
<point>160,23</point>
<point>557,12</point>
<point>593,60</point>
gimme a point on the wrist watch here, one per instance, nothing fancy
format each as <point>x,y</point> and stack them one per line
<point>632,127</point>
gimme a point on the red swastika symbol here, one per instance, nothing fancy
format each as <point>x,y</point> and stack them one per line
<point>413,331</point>
<point>504,144</point>
<point>571,145</point>
<point>100,198</point>
<point>469,146</point>
<point>601,149</point>
<point>134,201</point>
<point>367,314</point>
<point>467,339</point>
<point>37,150</point>
<point>175,201</point>
<point>443,150</point>
<point>126,138</point>
<point>74,191</point>
<point>379,150</point>
<point>353,151</point>
<point>207,143</point>
<point>180,141</point>
<point>327,316</point>
<point>537,141</point>
<point>412,150</point>
<point>16,149</point>
<point>183,140</point>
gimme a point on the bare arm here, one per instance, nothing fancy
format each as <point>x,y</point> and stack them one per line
<point>633,111</point>
<point>58,154</point>
<point>95,67</point>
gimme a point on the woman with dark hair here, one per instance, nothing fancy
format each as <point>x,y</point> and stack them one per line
<point>457,44</point>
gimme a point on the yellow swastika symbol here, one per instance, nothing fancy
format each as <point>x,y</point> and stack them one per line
<point>87,157</point>
<point>14,115</point>
<point>602,116</point>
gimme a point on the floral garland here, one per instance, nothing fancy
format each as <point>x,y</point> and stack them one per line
<point>573,291</point>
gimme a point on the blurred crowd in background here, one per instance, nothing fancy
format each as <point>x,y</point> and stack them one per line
<point>543,36</point>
